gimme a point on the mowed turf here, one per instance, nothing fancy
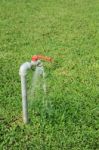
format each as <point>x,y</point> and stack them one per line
<point>67,31</point>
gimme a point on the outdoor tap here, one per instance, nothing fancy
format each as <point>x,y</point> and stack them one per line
<point>22,72</point>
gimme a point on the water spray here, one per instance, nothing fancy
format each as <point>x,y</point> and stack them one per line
<point>36,62</point>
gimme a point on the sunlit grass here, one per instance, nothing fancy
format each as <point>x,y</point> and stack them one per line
<point>68,32</point>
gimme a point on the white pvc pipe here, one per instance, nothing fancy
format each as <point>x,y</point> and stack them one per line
<point>22,72</point>
<point>24,99</point>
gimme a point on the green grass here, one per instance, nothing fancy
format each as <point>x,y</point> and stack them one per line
<point>68,31</point>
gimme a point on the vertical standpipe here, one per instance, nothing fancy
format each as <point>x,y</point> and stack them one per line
<point>24,99</point>
<point>22,72</point>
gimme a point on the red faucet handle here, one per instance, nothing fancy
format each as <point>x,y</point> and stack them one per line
<point>36,57</point>
<point>46,58</point>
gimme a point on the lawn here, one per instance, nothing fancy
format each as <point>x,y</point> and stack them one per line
<point>67,31</point>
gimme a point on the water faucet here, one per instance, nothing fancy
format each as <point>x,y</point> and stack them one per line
<point>35,61</point>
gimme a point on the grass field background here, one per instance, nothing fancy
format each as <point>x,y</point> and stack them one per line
<point>68,31</point>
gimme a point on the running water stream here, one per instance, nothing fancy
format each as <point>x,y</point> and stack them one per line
<point>38,86</point>
<point>38,97</point>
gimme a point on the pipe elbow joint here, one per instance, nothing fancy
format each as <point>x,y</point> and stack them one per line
<point>27,65</point>
<point>24,68</point>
